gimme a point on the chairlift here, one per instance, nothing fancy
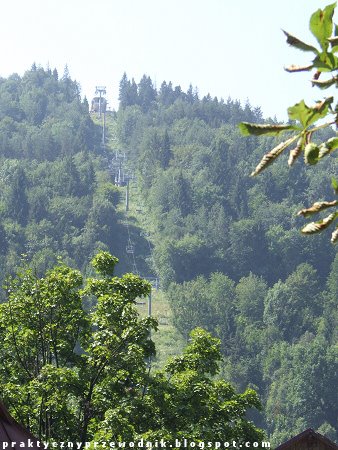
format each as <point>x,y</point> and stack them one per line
<point>163,321</point>
<point>130,247</point>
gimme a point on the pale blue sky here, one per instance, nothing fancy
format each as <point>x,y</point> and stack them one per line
<point>227,48</point>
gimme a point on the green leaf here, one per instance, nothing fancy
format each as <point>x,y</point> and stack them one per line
<point>317,207</point>
<point>328,147</point>
<point>248,129</point>
<point>334,184</point>
<point>269,157</point>
<point>324,84</point>
<point>317,227</point>
<point>325,62</point>
<point>321,25</point>
<point>334,237</point>
<point>295,152</point>
<point>306,115</point>
<point>295,42</point>
<point>294,68</point>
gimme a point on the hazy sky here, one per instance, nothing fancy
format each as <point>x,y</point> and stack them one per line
<point>225,47</point>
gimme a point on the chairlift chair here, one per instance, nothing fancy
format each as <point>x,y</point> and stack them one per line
<point>130,247</point>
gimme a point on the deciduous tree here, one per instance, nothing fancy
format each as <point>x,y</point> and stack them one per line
<point>306,120</point>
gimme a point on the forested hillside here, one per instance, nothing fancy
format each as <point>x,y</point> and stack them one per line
<point>228,249</point>
<point>56,198</point>
<point>75,354</point>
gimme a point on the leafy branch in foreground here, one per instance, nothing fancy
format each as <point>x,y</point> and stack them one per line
<point>305,118</point>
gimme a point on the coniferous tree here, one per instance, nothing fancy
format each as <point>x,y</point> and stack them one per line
<point>133,93</point>
<point>3,241</point>
<point>177,92</point>
<point>128,92</point>
<point>190,94</point>
<point>165,153</point>
<point>123,91</point>
<point>17,202</point>
<point>146,92</point>
<point>166,94</point>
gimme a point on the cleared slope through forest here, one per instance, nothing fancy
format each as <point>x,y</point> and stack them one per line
<point>135,247</point>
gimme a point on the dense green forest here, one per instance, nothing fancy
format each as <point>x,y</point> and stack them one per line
<point>226,248</point>
<point>229,252</point>
<point>56,196</point>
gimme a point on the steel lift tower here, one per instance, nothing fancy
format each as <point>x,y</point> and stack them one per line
<point>101,90</point>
